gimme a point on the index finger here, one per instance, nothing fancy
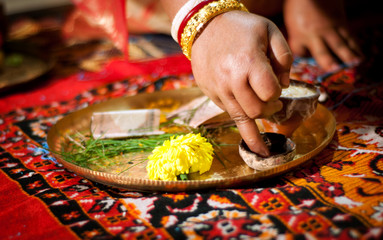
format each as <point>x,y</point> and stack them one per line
<point>247,127</point>
<point>250,133</point>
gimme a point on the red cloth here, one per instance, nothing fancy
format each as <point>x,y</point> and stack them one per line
<point>107,16</point>
<point>337,195</point>
<point>42,227</point>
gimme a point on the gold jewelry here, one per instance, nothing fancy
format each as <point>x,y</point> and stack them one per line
<point>202,17</point>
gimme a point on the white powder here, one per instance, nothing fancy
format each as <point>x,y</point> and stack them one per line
<point>297,91</point>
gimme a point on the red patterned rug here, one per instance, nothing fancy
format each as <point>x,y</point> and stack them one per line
<point>337,195</point>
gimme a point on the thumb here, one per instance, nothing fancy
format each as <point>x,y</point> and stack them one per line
<point>280,55</point>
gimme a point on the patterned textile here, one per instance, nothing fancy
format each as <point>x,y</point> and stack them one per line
<point>337,195</point>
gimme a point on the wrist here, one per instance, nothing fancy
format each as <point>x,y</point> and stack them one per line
<point>198,21</point>
<point>183,14</point>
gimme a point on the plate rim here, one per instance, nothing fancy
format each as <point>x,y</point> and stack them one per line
<point>189,185</point>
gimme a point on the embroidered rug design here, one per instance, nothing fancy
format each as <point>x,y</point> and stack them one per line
<point>337,195</point>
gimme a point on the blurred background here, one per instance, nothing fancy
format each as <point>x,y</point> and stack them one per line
<point>20,6</point>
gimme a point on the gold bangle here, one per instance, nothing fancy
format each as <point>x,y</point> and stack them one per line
<point>202,17</point>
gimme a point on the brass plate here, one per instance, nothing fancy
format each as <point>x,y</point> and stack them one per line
<point>311,137</point>
<point>30,68</point>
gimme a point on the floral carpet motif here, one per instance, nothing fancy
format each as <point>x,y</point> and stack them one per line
<point>336,195</point>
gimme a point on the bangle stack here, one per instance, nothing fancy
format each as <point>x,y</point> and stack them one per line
<point>198,17</point>
<point>179,17</point>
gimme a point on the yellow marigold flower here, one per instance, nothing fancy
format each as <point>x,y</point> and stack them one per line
<point>182,155</point>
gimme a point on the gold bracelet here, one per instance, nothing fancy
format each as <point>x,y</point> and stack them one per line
<point>202,17</point>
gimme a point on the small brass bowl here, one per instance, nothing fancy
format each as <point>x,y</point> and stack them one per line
<point>300,101</point>
<point>282,150</point>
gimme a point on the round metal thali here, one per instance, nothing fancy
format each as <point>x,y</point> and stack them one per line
<point>228,171</point>
<point>30,68</point>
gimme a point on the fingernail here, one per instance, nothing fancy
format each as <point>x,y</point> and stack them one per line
<point>264,152</point>
<point>260,149</point>
<point>285,79</point>
<point>354,62</point>
<point>335,68</point>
